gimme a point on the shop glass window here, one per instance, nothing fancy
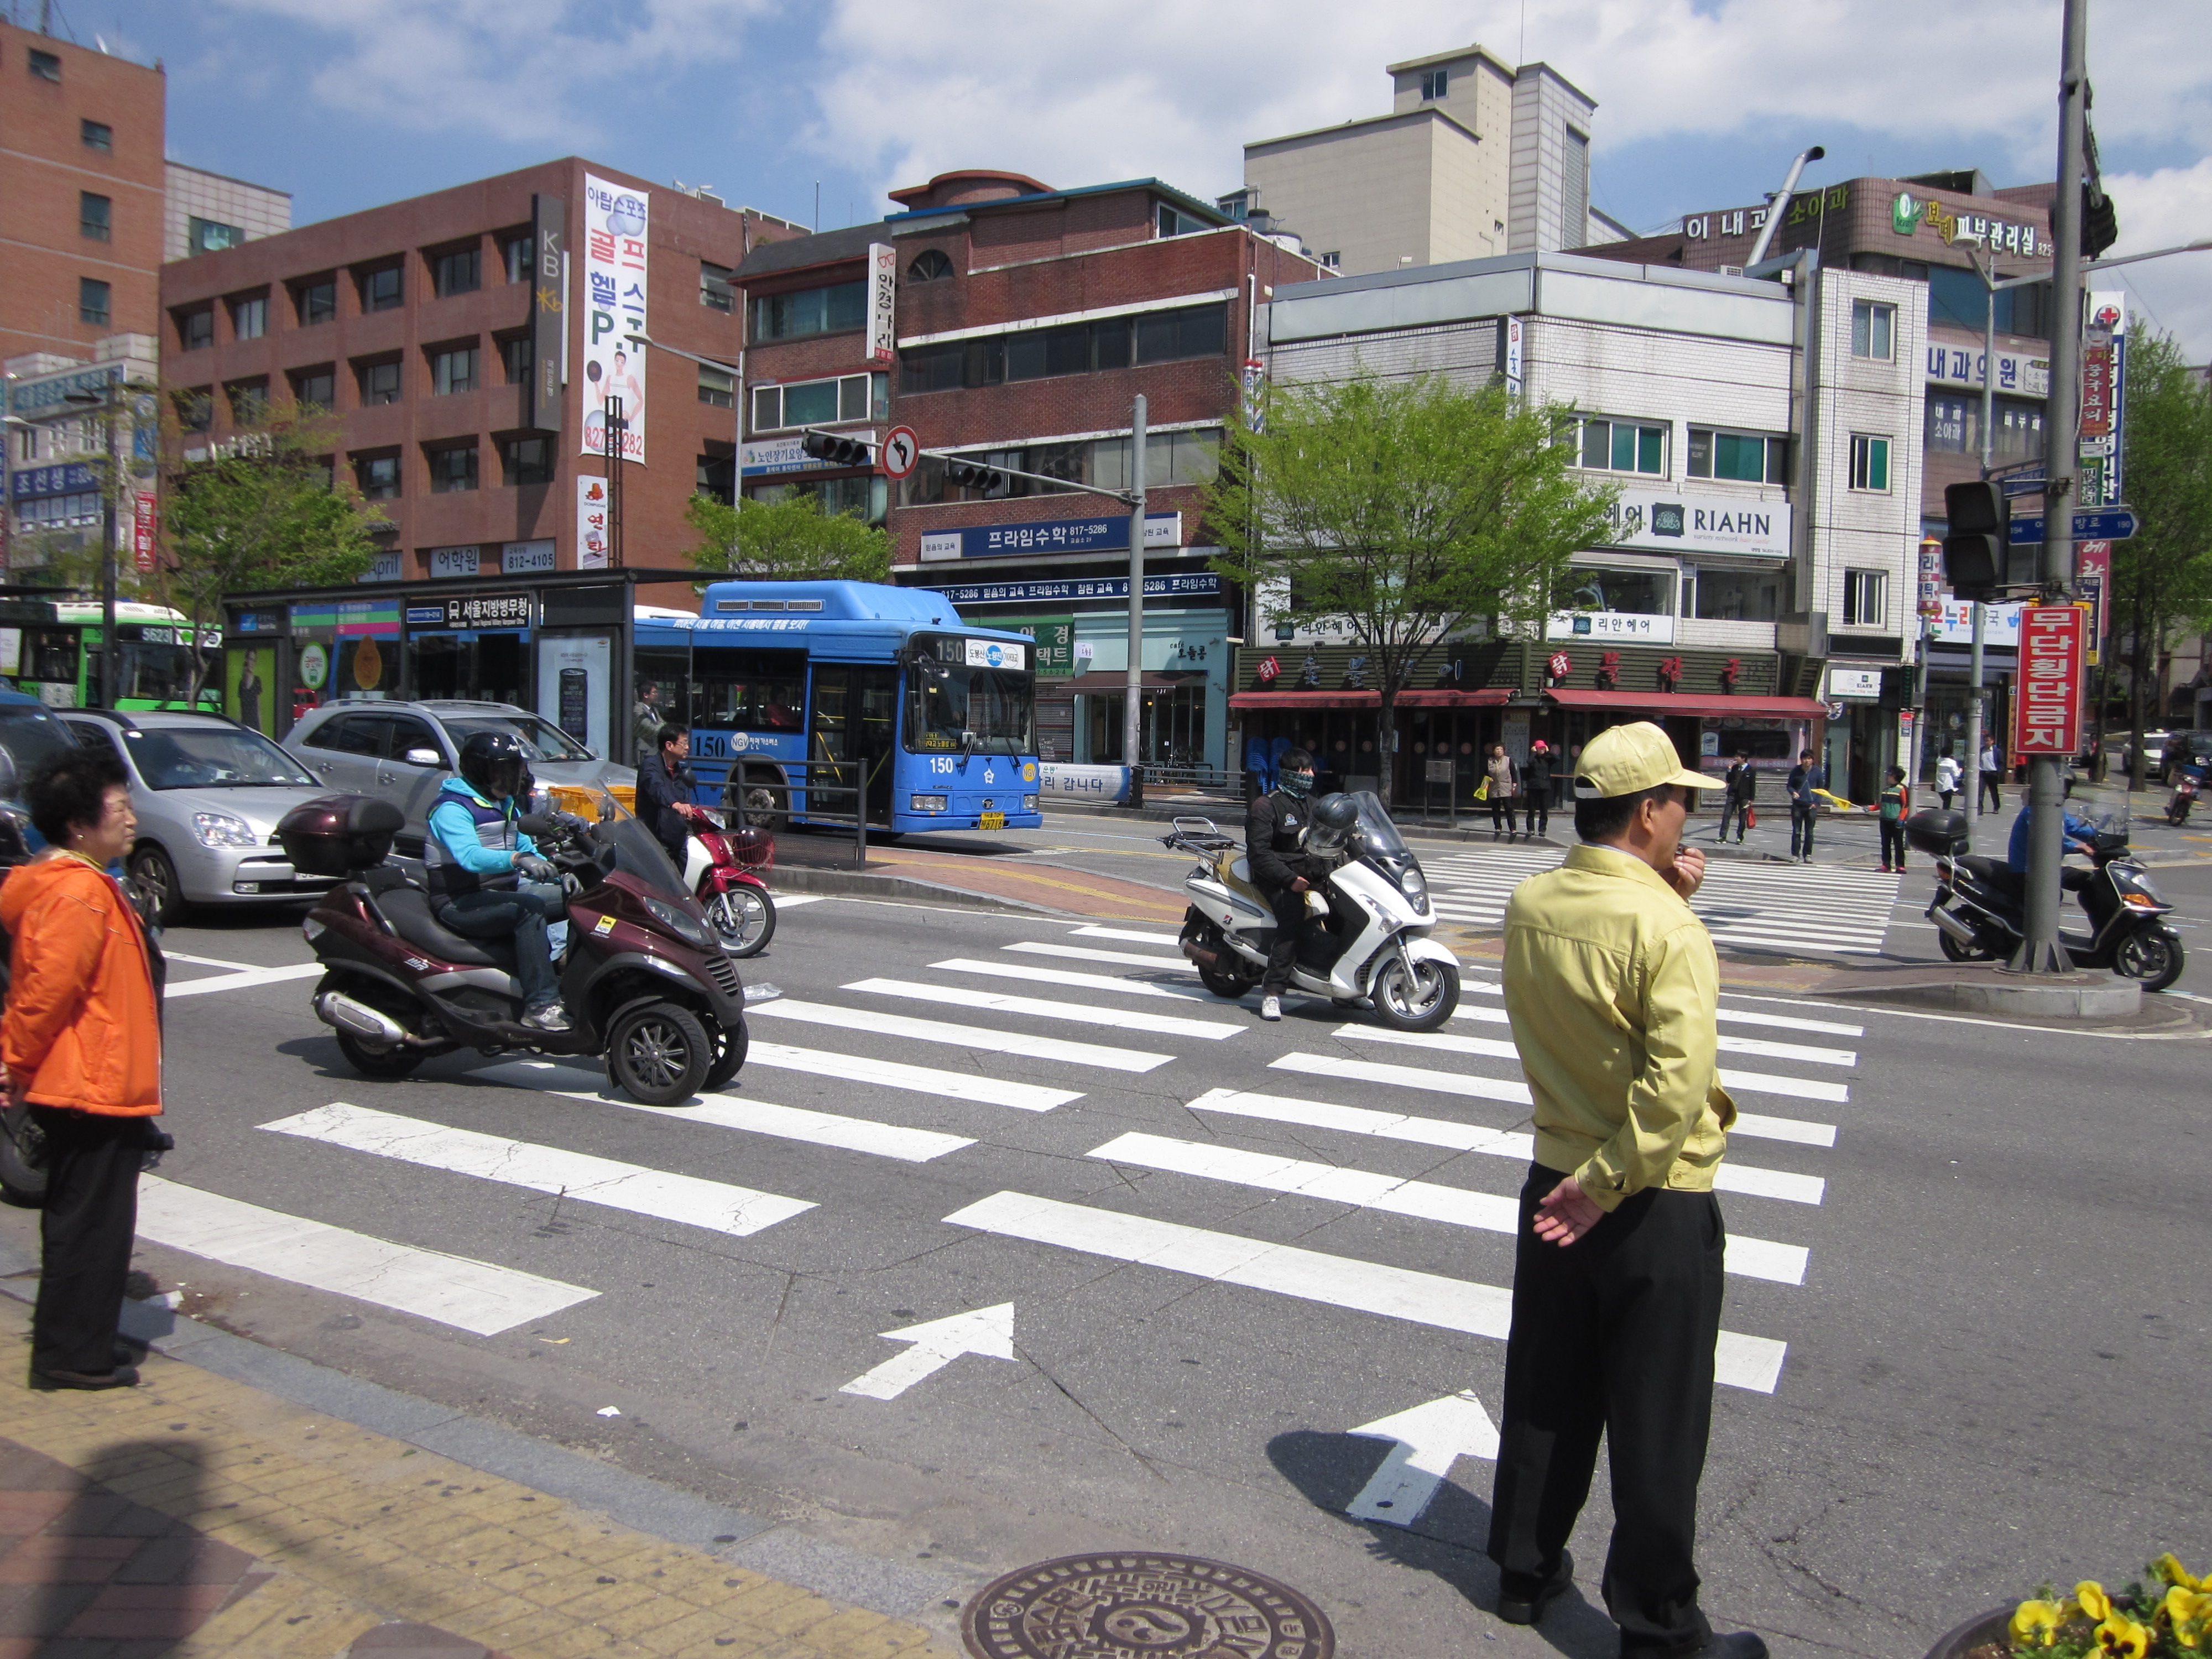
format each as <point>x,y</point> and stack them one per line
<point>1956,296</point>
<point>381,291</point>
<point>94,301</point>
<point>520,254</point>
<point>862,495</point>
<point>378,477</point>
<point>1869,463</point>
<point>1618,446</point>
<point>1744,457</point>
<point>525,460</point>
<point>1953,422</point>
<point>96,135</point>
<point>827,310</point>
<point>717,387</point>
<point>716,292</point>
<point>716,474</point>
<point>1874,329</point>
<point>2018,434</point>
<point>316,302</point>
<point>1631,593</point>
<point>211,236</point>
<point>460,271</point>
<point>1866,598</point>
<point>95,216</point>
<point>453,370</point>
<point>1734,596</point>
<point>516,356</point>
<point>249,318</point>
<point>452,469</point>
<point>380,384</point>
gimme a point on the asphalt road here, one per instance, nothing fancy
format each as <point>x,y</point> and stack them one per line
<point>1989,1376</point>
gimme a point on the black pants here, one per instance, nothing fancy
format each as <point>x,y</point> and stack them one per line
<point>1501,807</point>
<point>522,917</point>
<point>1733,810</point>
<point>1612,1335</point>
<point>84,1234</point>
<point>1290,909</point>
<point>1993,786</point>
<point>1893,841</point>
<point>1802,820</point>
<point>1538,820</point>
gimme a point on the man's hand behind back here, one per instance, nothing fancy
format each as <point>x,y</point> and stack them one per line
<point>1565,1214</point>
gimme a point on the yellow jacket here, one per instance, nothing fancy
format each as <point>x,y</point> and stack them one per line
<point>1612,984</point>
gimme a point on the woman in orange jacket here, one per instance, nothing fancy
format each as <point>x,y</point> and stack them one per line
<point>82,1042</point>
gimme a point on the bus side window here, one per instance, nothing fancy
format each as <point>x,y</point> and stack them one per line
<point>50,653</point>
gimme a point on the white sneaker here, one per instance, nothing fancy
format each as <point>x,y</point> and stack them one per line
<point>551,1017</point>
<point>1271,1007</point>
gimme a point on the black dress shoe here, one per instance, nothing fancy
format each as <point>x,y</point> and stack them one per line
<point>123,1377</point>
<point>1518,1603</point>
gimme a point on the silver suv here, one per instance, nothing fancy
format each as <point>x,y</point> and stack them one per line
<point>208,792</point>
<point>404,751</point>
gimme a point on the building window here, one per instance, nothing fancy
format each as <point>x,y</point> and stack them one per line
<point>864,496</point>
<point>95,216</point>
<point>453,370</point>
<point>830,310</point>
<point>515,358</point>
<point>930,265</point>
<point>1873,330</point>
<point>1869,463</point>
<point>93,298</point>
<point>46,65</point>
<point>96,135</point>
<point>249,402</point>
<point>1070,348</point>
<point>1732,595</point>
<point>521,253</point>
<point>1171,458</point>
<point>315,389</point>
<point>1332,260</point>
<point>2018,434</point>
<point>378,475</point>
<point>1617,446</point>
<point>380,290</point>
<point>817,402</point>
<point>380,384</point>
<point>208,236</point>
<point>459,272</point>
<point>452,469</point>
<point>1951,423</point>
<point>316,302</point>
<point>720,388</point>
<point>525,461</point>
<point>196,409</point>
<point>1434,84</point>
<point>195,329</point>
<point>1866,598</point>
<point>1174,222</point>
<point>1623,592</point>
<point>1742,455</point>
<point>249,318</point>
<point>715,289</point>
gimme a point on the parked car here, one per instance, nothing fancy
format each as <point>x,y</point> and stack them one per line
<point>2153,753</point>
<point>2183,748</point>
<point>404,751</point>
<point>208,792</point>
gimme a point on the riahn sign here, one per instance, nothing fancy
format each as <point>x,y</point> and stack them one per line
<point>1672,522</point>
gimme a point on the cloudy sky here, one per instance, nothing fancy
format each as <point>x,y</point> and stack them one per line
<point>347,103</point>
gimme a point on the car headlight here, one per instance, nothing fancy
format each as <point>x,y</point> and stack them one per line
<point>223,830</point>
<point>684,926</point>
<point>932,803</point>
<point>1029,803</point>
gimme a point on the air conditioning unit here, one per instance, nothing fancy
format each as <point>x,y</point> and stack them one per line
<point>1731,270</point>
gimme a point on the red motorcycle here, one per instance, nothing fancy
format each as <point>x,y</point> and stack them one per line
<point>722,864</point>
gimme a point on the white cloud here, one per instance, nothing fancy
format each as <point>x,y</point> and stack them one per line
<point>2167,209</point>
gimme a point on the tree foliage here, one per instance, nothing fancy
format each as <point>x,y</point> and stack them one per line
<point>1406,511</point>
<point>263,509</point>
<point>2162,576</point>
<point>790,539</point>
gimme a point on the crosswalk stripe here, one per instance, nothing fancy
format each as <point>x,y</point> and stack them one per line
<point>1452,1304</point>
<point>1126,1019</point>
<point>1458,1206</point>
<point>1762,1082</point>
<point>718,1206</point>
<point>238,981</point>
<point>452,1289</point>
<point>1729,1176</point>
<point>966,1037</point>
<point>1166,941</point>
<point>1734,1045</point>
<point>1023,970</point>
<point>760,1117</point>
<point>1726,1015</point>
<point>914,1079</point>
<point>1797,1129</point>
<point>1077,953</point>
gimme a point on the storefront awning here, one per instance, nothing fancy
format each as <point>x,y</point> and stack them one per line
<point>1430,698</point>
<point>1658,704</point>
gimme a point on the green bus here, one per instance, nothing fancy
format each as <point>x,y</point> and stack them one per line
<point>53,649</point>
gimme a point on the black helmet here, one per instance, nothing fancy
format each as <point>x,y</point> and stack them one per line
<point>1332,821</point>
<point>493,764</point>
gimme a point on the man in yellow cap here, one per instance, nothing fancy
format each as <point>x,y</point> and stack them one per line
<point>1612,983</point>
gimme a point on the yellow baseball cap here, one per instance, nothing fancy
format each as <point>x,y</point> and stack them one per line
<point>1622,760</point>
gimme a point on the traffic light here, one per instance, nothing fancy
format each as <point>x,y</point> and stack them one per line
<point>839,452</point>
<point>974,475</point>
<point>1975,552</point>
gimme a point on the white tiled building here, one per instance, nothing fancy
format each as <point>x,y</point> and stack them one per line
<point>206,211</point>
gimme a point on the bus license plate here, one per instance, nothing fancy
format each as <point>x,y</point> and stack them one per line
<point>994,821</point>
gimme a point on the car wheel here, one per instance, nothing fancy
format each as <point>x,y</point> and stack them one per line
<point>155,876</point>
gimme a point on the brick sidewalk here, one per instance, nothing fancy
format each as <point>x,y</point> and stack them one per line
<point>193,1515</point>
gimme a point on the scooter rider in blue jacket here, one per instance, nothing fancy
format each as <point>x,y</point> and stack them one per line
<point>2080,836</point>
<point>485,877</point>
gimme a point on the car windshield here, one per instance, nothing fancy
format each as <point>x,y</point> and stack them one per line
<point>213,757</point>
<point>541,740</point>
<point>29,735</point>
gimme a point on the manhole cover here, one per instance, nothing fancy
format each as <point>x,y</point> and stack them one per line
<point>1143,1607</point>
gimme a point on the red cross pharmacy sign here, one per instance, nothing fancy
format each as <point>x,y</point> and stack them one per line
<point>2047,708</point>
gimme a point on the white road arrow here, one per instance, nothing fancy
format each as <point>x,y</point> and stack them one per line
<point>937,1344</point>
<point>1430,1439</point>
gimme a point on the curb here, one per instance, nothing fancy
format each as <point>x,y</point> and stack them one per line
<point>864,884</point>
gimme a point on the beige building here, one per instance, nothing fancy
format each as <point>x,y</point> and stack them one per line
<point>1476,158</point>
<point>206,212</point>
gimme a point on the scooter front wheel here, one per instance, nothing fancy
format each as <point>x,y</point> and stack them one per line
<point>744,919</point>
<point>2151,955</point>
<point>659,1053</point>
<point>730,1049</point>
<point>1420,1000</point>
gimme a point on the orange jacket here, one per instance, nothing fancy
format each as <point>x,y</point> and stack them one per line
<point>81,1023</point>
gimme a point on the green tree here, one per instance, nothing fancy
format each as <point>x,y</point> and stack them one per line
<point>1404,512</point>
<point>789,538</point>
<point>2162,577</point>
<point>264,508</point>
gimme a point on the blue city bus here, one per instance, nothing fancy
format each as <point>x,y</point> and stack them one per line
<point>776,678</point>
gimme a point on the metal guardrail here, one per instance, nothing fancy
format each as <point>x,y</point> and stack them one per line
<point>826,784</point>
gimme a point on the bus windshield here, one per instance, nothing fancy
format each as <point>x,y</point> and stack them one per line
<point>954,710</point>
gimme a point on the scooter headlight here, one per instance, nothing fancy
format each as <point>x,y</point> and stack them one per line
<point>687,927</point>
<point>1413,885</point>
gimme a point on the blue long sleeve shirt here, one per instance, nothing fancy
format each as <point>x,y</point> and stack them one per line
<point>456,830</point>
<point>2077,830</point>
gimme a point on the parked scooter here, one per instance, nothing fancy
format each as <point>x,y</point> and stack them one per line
<point>721,869</point>
<point>1370,947</point>
<point>2187,781</point>
<point>1979,905</point>
<point>645,980</point>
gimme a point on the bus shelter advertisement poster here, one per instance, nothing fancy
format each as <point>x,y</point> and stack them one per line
<point>614,309</point>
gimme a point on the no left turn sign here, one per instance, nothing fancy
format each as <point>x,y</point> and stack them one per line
<point>900,452</point>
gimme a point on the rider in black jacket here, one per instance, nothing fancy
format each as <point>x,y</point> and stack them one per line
<point>1272,830</point>
<point>665,784</point>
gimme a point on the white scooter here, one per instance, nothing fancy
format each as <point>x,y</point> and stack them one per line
<point>1369,947</point>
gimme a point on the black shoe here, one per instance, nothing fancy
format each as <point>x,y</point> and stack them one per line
<point>1736,1644</point>
<point>123,1377</point>
<point>1517,1604</point>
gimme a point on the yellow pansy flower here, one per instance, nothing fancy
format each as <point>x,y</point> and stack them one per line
<point>2090,1594</point>
<point>2190,1612</point>
<point>2038,1621</point>
<point>2169,1568</point>
<point>2122,1638</point>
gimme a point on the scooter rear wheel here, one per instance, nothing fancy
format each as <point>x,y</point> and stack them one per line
<point>1956,951</point>
<point>1420,1002</point>
<point>2151,955</point>
<point>659,1053</point>
<point>1232,986</point>
<point>386,1064</point>
<point>744,919</point>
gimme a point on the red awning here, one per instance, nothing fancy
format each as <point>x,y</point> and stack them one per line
<point>1657,703</point>
<point>1489,697</point>
<point>1440,698</point>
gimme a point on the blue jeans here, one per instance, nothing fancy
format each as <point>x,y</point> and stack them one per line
<point>522,917</point>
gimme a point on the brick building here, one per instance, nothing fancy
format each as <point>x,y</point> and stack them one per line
<point>1024,322</point>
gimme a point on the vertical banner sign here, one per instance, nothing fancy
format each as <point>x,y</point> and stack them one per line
<point>2104,358</point>
<point>1932,578</point>
<point>591,522</point>
<point>145,529</point>
<point>1515,345</point>
<point>883,299</point>
<point>2092,575</point>
<point>549,312</point>
<point>614,309</point>
<point>2046,713</point>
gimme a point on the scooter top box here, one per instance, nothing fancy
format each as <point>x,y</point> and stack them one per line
<point>1945,835</point>
<point>339,835</point>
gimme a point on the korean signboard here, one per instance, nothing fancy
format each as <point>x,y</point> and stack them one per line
<point>1954,225</point>
<point>882,298</point>
<point>614,309</point>
<point>1102,534</point>
<point>520,558</point>
<point>489,610</point>
<point>1610,625</point>
<point>63,478</point>
<point>2046,717</point>
<point>1196,585</point>
<point>1056,642</point>
<point>456,560</point>
<point>548,313</point>
<point>591,522</point>
<point>2092,575</point>
<point>2104,398</point>
<point>1676,523</point>
<point>144,532</point>
<point>1932,578</point>
<point>2027,377</point>
<point>1953,623</point>
<point>761,457</point>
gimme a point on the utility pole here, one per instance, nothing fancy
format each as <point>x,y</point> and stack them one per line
<point>2040,952</point>
<point>1132,714</point>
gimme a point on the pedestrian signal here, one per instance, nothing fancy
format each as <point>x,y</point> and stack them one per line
<point>1974,551</point>
<point>838,452</point>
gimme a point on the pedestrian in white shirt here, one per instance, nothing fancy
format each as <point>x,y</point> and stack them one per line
<point>1946,779</point>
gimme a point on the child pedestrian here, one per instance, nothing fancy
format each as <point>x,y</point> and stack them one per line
<point>1894,800</point>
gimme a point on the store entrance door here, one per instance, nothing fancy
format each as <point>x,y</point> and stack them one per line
<point>853,717</point>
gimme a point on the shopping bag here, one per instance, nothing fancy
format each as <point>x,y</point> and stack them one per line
<point>1482,789</point>
<point>1751,818</point>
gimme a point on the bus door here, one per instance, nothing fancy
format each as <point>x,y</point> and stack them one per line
<point>853,716</point>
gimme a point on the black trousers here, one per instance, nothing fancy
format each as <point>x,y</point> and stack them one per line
<point>1539,802</point>
<point>84,1234</point>
<point>1733,810</point>
<point>521,915</point>
<point>1501,812</point>
<point>1614,1333</point>
<point>1992,787</point>
<point>1802,820</point>
<point>1290,909</point>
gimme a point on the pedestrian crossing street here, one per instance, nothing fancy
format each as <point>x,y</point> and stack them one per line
<point>1098,1007</point>
<point>1824,910</point>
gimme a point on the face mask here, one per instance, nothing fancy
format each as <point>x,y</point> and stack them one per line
<point>1295,784</point>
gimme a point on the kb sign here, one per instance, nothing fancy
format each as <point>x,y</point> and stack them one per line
<point>2046,716</point>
